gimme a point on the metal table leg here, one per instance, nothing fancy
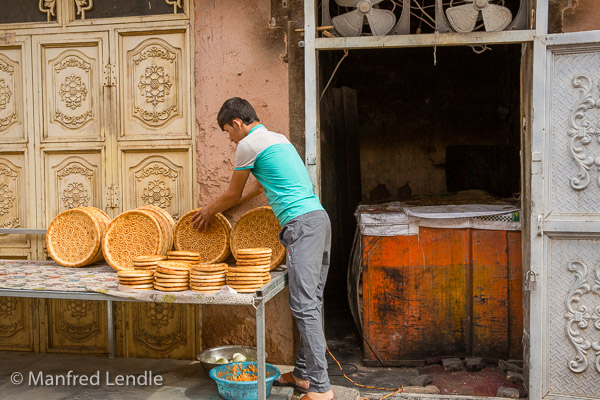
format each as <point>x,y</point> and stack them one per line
<point>111,329</point>
<point>260,348</point>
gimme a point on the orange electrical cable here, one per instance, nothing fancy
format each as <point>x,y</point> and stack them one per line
<point>394,390</point>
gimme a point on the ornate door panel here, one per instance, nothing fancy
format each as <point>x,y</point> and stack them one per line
<point>18,319</point>
<point>75,326</point>
<point>565,239</point>
<point>13,206</point>
<point>74,179</point>
<point>161,330</point>
<point>71,82</point>
<point>17,185</point>
<point>154,86</point>
<point>13,106</point>
<point>161,178</point>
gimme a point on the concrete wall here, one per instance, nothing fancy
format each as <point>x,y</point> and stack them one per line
<point>237,54</point>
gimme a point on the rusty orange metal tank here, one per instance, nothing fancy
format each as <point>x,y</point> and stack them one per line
<point>443,292</point>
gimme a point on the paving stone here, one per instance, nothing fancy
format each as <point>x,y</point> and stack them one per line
<point>509,392</point>
<point>343,393</point>
<point>508,366</point>
<point>452,364</point>
<point>421,380</point>
<point>473,364</point>
<point>515,377</point>
<point>433,360</point>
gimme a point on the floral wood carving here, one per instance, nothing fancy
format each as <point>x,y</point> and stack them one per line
<point>154,52</point>
<point>73,91</point>
<point>5,95</point>
<point>6,199</point>
<point>156,169</point>
<point>161,315</point>
<point>8,306</point>
<point>158,194</point>
<point>75,195</point>
<point>581,132</point>
<point>75,168</point>
<point>155,84</point>
<point>13,223</point>
<point>48,7</point>
<point>79,310</point>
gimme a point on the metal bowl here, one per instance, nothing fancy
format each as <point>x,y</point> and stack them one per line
<point>225,352</point>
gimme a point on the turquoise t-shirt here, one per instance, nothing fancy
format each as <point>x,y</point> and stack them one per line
<point>275,163</point>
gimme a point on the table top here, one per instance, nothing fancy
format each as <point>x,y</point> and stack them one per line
<point>46,279</point>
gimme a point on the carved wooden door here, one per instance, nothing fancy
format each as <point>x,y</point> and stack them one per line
<point>75,126</point>
<point>154,150</point>
<point>17,188</point>
<point>74,147</point>
<point>564,313</point>
<point>95,110</point>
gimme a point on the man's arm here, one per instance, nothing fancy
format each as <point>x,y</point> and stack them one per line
<point>231,197</point>
<point>254,189</point>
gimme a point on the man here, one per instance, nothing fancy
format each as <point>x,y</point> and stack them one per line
<point>306,232</point>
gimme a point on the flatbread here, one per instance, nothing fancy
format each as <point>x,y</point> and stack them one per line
<point>212,244</point>
<point>182,253</point>
<point>254,251</point>
<point>143,286</point>
<point>171,285</point>
<point>133,233</point>
<point>137,282</point>
<point>149,258</point>
<point>247,270</point>
<point>202,276</point>
<point>207,287</point>
<point>172,272</point>
<point>134,273</point>
<point>158,274</point>
<point>178,265</point>
<point>171,280</point>
<point>172,289</point>
<point>74,237</point>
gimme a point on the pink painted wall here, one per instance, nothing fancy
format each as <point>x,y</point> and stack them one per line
<point>237,54</point>
<point>584,15</point>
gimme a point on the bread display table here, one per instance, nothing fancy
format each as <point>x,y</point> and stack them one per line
<point>48,280</point>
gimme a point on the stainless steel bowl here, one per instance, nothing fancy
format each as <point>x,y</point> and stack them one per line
<point>225,352</point>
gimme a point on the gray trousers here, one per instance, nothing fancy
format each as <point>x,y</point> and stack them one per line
<point>307,239</point>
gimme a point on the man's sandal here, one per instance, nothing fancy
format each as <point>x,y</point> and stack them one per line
<point>288,380</point>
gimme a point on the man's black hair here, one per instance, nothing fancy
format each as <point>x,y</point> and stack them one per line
<point>236,107</point>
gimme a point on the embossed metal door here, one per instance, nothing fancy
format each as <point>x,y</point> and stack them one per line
<point>565,218</point>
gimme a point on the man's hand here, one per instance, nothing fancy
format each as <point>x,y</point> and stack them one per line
<point>230,198</point>
<point>202,218</point>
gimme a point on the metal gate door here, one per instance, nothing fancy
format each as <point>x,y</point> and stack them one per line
<point>565,218</point>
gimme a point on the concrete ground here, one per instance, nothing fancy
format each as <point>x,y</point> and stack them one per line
<point>181,379</point>
<point>27,376</point>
